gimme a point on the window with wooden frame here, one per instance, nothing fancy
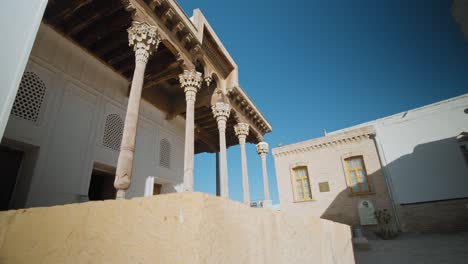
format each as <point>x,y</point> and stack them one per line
<point>356,175</point>
<point>302,184</point>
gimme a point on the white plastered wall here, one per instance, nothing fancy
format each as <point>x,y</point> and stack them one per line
<point>422,155</point>
<point>81,92</point>
<point>20,20</point>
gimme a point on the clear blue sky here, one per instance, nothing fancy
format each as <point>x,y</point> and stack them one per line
<point>310,65</point>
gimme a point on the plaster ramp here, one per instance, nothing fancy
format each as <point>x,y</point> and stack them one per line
<point>171,228</point>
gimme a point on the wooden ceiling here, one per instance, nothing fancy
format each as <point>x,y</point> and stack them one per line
<point>99,26</point>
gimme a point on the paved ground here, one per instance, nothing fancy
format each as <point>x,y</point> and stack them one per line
<point>412,248</point>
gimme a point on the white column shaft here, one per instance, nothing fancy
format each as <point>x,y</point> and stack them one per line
<point>127,147</point>
<point>189,144</point>
<point>266,189</point>
<point>245,177</point>
<point>222,151</point>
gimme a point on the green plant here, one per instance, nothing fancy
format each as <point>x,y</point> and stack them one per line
<point>385,228</point>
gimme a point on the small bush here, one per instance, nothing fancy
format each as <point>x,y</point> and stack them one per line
<point>385,229</point>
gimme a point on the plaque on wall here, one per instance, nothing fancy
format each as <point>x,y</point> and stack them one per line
<point>367,213</point>
<point>324,187</point>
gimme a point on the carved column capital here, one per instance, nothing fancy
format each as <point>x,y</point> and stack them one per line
<point>191,82</point>
<point>262,148</point>
<point>144,38</point>
<point>221,110</point>
<point>221,113</point>
<point>241,130</point>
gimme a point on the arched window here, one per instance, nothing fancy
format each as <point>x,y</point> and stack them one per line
<point>165,153</point>
<point>357,175</point>
<point>113,132</point>
<point>302,184</point>
<point>29,98</point>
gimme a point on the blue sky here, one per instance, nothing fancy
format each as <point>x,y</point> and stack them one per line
<point>314,65</point>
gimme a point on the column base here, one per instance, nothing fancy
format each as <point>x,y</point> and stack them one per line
<point>267,203</point>
<point>120,195</point>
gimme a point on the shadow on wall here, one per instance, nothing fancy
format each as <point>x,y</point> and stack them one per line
<point>431,185</point>
<point>344,208</point>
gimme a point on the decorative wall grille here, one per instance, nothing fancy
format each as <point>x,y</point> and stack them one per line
<point>113,132</point>
<point>29,98</point>
<point>165,153</point>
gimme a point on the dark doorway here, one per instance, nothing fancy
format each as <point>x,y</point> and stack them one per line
<point>10,162</point>
<point>101,186</point>
<point>157,189</point>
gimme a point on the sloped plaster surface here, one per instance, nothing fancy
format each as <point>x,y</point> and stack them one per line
<point>172,228</point>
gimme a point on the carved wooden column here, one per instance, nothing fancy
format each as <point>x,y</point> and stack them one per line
<point>262,150</point>
<point>191,82</point>
<point>221,112</point>
<point>145,39</point>
<point>242,131</point>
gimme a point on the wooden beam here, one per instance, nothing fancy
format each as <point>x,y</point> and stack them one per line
<point>201,135</point>
<point>172,71</point>
<point>119,55</point>
<point>120,21</point>
<point>180,106</point>
<point>94,11</point>
<point>58,10</point>
<point>252,127</point>
<point>111,42</point>
<point>148,14</point>
<point>155,64</point>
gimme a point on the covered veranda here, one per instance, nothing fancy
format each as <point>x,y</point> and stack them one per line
<point>179,65</point>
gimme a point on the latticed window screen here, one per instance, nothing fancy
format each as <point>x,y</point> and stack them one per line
<point>113,132</point>
<point>302,184</point>
<point>29,98</point>
<point>357,175</point>
<point>165,153</point>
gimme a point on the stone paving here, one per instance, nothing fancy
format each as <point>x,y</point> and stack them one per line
<point>416,248</point>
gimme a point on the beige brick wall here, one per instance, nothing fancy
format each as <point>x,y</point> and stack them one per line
<point>442,216</point>
<point>325,163</point>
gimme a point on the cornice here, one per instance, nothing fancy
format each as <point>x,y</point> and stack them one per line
<point>239,97</point>
<point>323,142</point>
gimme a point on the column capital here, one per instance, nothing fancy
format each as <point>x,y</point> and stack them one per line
<point>221,110</point>
<point>262,148</point>
<point>144,38</point>
<point>191,82</point>
<point>241,129</point>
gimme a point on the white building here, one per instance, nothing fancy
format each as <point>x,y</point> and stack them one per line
<point>423,155</point>
<point>414,164</point>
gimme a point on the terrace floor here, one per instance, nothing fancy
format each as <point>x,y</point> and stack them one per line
<point>416,248</point>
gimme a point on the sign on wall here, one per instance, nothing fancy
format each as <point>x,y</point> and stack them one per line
<point>367,213</point>
<point>324,187</point>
